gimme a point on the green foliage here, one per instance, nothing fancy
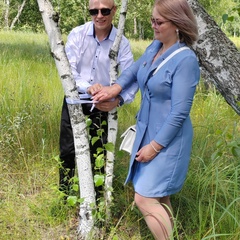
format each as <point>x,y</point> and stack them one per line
<point>72,13</point>
<point>32,207</point>
<point>75,12</point>
<point>226,18</point>
<point>236,41</point>
<point>225,13</point>
<point>231,21</point>
<point>30,19</point>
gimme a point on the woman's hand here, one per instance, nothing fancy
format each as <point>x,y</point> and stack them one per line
<point>145,154</point>
<point>148,152</point>
<point>107,93</point>
<point>107,105</point>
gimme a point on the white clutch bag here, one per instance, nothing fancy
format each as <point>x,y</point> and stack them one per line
<point>128,139</point>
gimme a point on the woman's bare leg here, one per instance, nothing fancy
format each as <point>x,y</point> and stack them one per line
<point>155,215</point>
<point>165,201</point>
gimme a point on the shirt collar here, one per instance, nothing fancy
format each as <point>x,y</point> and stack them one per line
<point>111,36</point>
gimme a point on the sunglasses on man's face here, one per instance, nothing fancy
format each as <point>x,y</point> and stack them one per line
<point>104,11</point>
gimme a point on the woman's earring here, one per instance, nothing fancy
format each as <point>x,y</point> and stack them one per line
<point>177,31</point>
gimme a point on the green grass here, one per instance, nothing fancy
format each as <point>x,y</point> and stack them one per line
<point>208,207</point>
<point>236,41</point>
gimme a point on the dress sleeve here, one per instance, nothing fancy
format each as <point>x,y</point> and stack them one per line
<point>184,82</point>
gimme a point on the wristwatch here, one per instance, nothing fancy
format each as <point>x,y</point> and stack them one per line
<point>121,101</point>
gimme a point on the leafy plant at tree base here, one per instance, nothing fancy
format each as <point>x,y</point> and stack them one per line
<point>73,200</point>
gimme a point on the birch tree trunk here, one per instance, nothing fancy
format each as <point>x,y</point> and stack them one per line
<point>50,19</point>
<point>112,115</point>
<point>6,15</point>
<point>218,56</point>
<point>135,31</point>
<point>20,9</point>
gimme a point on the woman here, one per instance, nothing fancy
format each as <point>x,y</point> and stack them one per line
<point>161,151</point>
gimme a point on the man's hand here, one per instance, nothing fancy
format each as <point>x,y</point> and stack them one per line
<point>95,88</point>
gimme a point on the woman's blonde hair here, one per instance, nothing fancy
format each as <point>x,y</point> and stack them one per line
<point>181,15</point>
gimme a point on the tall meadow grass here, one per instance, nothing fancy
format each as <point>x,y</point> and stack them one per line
<point>208,207</point>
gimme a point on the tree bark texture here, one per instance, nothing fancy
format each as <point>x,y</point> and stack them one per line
<point>112,115</point>
<point>218,56</point>
<point>77,117</point>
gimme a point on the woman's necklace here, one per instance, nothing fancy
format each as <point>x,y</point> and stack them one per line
<point>159,53</point>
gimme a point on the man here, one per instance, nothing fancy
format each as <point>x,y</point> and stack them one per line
<point>87,49</point>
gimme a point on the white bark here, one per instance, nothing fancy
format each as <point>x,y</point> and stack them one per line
<point>87,192</point>
<point>20,9</point>
<point>112,116</point>
<point>135,26</point>
<point>6,15</point>
<point>218,56</point>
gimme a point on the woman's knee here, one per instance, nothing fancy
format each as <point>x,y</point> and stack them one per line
<point>142,201</point>
<point>139,200</point>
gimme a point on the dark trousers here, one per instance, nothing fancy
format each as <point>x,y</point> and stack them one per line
<point>67,149</point>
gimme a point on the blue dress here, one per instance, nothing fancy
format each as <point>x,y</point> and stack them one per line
<point>166,100</point>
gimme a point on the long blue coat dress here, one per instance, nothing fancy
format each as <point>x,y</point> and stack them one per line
<point>166,100</point>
